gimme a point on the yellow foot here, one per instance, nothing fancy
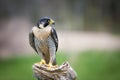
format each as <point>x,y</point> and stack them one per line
<point>49,66</point>
<point>42,62</point>
<point>55,66</point>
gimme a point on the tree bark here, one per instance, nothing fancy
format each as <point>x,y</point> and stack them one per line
<point>63,72</point>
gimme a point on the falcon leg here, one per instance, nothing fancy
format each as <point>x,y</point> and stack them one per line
<point>52,51</point>
<point>50,65</point>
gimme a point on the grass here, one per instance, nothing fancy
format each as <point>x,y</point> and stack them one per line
<point>89,65</point>
<point>98,65</point>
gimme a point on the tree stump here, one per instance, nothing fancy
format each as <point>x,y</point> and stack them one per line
<point>63,72</point>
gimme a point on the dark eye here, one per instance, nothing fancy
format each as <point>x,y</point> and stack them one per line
<point>48,20</point>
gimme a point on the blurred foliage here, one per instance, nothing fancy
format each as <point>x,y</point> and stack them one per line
<point>20,67</point>
<point>93,15</point>
<point>82,15</point>
<point>89,65</point>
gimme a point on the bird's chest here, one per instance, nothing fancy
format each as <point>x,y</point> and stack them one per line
<point>41,38</point>
<point>42,34</point>
<point>42,45</point>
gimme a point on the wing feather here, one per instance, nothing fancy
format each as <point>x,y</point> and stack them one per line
<point>55,37</point>
<point>31,41</point>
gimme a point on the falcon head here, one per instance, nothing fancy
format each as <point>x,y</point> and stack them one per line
<point>44,22</point>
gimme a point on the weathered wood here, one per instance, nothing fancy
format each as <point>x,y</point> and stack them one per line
<point>63,72</point>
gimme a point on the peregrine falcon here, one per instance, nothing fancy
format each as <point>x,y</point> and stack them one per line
<point>43,39</point>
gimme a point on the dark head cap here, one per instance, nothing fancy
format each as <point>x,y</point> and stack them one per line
<point>44,22</point>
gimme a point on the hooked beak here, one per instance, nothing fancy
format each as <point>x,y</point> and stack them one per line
<point>51,22</point>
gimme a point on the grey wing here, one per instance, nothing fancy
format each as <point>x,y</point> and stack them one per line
<point>55,37</point>
<point>31,41</point>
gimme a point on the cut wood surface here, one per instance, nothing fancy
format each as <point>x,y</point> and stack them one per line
<point>62,72</point>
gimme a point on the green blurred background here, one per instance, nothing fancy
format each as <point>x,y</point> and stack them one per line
<point>88,31</point>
